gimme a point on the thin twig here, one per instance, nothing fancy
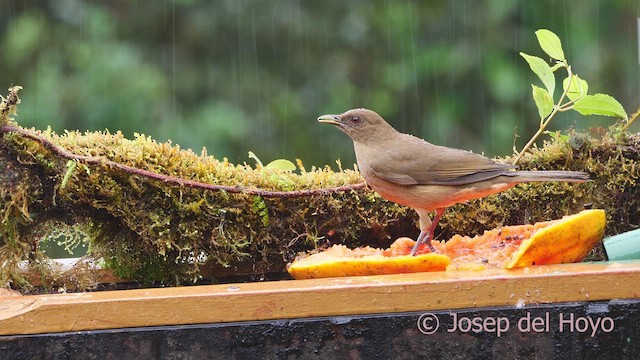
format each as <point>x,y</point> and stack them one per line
<point>176,180</point>
<point>632,118</point>
<point>558,107</point>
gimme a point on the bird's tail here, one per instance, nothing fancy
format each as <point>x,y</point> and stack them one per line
<point>531,176</point>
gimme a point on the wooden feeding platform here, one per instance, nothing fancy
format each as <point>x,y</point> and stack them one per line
<point>149,216</point>
<point>580,310</point>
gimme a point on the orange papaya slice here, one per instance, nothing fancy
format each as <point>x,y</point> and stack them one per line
<point>565,240</point>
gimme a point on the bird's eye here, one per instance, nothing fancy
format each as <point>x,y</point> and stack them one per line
<point>356,120</point>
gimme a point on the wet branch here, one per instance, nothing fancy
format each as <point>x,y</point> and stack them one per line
<point>172,179</point>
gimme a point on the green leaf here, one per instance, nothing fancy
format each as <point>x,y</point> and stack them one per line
<point>550,43</point>
<point>281,165</point>
<point>599,104</point>
<point>543,100</point>
<point>557,136</point>
<point>543,70</point>
<point>578,87</point>
<point>557,66</point>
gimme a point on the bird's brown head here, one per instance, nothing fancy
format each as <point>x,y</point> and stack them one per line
<point>362,125</point>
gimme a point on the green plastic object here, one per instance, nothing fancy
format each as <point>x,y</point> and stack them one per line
<point>625,246</point>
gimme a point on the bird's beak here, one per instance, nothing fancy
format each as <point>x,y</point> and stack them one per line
<point>330,119</point>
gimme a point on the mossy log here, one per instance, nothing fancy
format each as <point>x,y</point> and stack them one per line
<point>154,212</point>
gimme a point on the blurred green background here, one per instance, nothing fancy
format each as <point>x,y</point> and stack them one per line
<point>240,75</point>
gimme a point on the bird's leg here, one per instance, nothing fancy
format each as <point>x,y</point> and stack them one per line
<point>427,227</point>
<point>421,237</point>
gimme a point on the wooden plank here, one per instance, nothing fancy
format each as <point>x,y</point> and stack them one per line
<point>319,297</point>
<point>368,336</point>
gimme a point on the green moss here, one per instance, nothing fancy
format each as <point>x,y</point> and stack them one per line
<point>149,230</point>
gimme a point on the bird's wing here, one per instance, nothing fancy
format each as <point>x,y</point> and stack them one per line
<point>417,162</point>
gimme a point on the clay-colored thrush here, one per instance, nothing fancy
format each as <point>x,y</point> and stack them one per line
<point>426,177</point>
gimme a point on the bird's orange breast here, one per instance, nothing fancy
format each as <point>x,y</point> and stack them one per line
<point>431,197</point>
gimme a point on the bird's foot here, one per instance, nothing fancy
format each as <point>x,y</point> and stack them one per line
<point>424,238</point>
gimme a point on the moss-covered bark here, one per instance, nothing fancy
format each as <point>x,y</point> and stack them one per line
<point>152,211</point>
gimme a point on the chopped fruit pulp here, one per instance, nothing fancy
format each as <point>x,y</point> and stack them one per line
<point>492,249</point>
<point>551,242</point>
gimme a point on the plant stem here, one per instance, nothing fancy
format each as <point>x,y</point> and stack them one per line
<point>544,122</point>
<point>633,117</point>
